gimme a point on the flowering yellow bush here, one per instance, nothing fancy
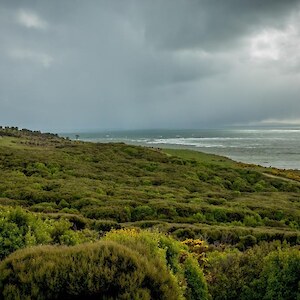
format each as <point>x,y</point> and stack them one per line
<point>198,248</point>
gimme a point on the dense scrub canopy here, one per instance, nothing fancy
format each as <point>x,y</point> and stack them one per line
<point>281,275</point>
<point>105,270</point>
<point>110,269</point>
<point>269,271</point>
<point>174,254</point>
<point>20,228</point>
<point>186,193</point>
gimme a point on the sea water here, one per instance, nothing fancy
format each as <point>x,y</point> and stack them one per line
<point>276,147</point>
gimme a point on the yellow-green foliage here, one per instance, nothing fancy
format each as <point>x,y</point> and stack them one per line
<point>198,248</point>
<point>20,228</point>
<point>281,275</point>
<point>107,270</point>
<point>126,264</point>
<point>269,271</point>
<point>173,254</point>
<point>124,183</point>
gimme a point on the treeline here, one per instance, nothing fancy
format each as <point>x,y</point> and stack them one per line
<point>16,132</point>
<point>32,137</point>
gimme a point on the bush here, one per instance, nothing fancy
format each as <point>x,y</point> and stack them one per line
<point>104,225</point>
<point>281,275</point>
<point>184,233</point>
<point>262,272</point>
<point>19,229</point>
<point>104,270</point>
<point>196,284</point>
<point>142,212</point>
<point>118,213</point>
<point>159,247</point>
<point>247,241</point>
<point>252,221</point>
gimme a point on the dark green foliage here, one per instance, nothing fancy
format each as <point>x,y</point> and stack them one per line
<point>196,284</point>
<point>263,272</point>
<point>143,212</point>
<point>104,225</point>
<point>247,241</point>
<point>118,213</point>
<point>184,233</point>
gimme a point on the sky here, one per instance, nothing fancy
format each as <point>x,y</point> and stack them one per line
<point>70,65</point>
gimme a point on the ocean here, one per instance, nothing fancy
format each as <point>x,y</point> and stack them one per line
<point>275,147</point>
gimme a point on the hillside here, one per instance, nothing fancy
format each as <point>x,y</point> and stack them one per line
<point>89,189</point>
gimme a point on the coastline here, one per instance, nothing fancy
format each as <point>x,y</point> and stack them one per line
<point>278,148</point>
<point>239,160</point>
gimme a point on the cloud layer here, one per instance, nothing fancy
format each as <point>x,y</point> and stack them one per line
<point>68,65</point>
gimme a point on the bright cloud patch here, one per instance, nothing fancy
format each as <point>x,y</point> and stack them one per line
<point>266,45</point>
<point>274,45</point>
<point>30,20</point>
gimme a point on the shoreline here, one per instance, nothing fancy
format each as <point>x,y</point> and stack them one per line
<point>266,165</point>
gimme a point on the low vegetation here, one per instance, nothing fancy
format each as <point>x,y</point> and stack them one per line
<point>183,224</point>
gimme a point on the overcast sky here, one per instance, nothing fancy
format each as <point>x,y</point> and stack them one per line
<point>129,64</point>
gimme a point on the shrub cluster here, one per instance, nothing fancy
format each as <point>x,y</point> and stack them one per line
<point>126,264</point>
<point>20,229</point>
<point>269,271</point>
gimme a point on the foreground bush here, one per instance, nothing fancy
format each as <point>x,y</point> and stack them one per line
<point>103,270</point>
<point>126,264</point>
<point>281,275</point>
<point>159,247</point>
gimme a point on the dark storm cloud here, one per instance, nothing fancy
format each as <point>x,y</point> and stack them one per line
<point>129,64</point>
<point>210,24</point>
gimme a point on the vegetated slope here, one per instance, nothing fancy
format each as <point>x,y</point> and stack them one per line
<point>186,193</point>
<point>238,223</point>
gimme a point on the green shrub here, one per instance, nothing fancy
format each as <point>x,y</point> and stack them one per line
<point>118,213</point>
<point>104,270</point>
<point>247,241</point>
<point>104,225</point>
<point>19,229</point>
<point>46,207</point>
<point>281,275</point>
<point>262,272</point>
<point>184,233</point>
<point>199,217</point>
<point>159,247</point>
<point>142,212</point>
<point>164,210</point>
<point>196,284</point>
<point>239,184</point>
<point>252,221</point>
